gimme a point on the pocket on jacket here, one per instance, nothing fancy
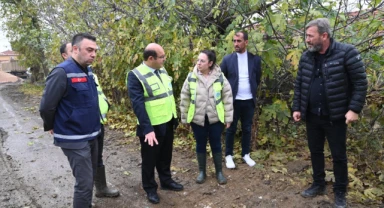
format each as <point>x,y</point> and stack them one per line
<point>157,107</point>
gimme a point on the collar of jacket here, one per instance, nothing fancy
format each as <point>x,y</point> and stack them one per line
<point>215,72</point>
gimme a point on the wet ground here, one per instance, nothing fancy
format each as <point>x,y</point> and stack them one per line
<point>34,173</point>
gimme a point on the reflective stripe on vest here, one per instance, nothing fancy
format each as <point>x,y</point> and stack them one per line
<point>158,94</point>
<point>77,114</point>
<point>149,89</point>
<point>217,88</point>
<point>76,137</point>
<point>103,101</point>
<point>73,75</point>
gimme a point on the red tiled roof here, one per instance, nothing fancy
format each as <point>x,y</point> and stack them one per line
<point>8,53</point>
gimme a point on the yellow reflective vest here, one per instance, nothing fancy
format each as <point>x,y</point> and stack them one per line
<point>217,88</point>
<point>103,102</point>
<point>158,94</point>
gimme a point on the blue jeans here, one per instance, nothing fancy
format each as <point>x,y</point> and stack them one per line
<point>243,110</point>
<point>208,131</point>
<point>319,128</point>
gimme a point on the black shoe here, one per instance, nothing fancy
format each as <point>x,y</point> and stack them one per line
<point>340,201</point>
<point>313,191</point>
<point>153,197</point>
<point>173,186</point>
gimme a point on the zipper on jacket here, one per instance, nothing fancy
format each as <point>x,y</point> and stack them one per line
<point>310,84</point>
<point>325,78</point>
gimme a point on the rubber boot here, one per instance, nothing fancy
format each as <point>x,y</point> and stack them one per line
<point>202,161</point>
<point>101,185</point>
<point>218,166</point>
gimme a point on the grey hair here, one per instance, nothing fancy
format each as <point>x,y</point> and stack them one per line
<point>322,26</point>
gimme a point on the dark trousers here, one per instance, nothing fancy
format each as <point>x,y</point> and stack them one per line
<point>319,128</point>
<point>159,156</point>
<point>100,141</point>
<point>208,131</point>
<point>243,110</point>
<point>83,163</point>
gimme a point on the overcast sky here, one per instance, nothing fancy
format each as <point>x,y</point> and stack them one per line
<point>4,43</point>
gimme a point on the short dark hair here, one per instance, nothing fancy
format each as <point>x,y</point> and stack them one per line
<point>63,48</point>
<point>80,36</point>
<point>211,57</point>
<point>245,34</point>
<point>148,52</point>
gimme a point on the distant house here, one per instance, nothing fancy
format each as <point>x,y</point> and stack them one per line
<point>8,56</point>
<point>9,62</point>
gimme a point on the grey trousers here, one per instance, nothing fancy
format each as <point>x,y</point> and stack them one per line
<point>83,163</point>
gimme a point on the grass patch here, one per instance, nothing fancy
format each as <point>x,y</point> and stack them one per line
<point>31,89</point>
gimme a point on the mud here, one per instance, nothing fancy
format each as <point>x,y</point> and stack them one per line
<point>34,173</point>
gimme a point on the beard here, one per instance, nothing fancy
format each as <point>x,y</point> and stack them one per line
<point>315,48</point>
<point>239,50</point>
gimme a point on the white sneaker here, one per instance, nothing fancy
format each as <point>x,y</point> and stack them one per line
<point>229,162</point>
<point>248,160</point>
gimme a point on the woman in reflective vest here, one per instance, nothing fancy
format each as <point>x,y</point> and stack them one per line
<point>206,103</point>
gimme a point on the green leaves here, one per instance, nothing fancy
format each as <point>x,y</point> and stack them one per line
<point>294,57</point>
<point>277,110</point>
<point>276,33</point>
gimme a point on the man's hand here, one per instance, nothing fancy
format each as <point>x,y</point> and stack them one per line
<point>51,131</point>
<point>151,137</point>
<point>351,117</point>
<point>296,116</point>
<point>227,125</point>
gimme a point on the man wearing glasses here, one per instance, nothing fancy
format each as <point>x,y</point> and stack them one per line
<point>151,94</point>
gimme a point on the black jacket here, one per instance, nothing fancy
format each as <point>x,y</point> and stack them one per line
<point>345,81</point>
<point>229,66</point>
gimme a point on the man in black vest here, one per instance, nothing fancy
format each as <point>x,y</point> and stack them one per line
<point>70,112</point>
<point>330,91</point>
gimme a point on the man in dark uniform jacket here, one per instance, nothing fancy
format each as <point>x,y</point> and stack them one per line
<point>102,189</point>
<point>330,92</point>
<point>70,112</point>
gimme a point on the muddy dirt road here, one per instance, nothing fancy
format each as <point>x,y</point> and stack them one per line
<point>34,173</point>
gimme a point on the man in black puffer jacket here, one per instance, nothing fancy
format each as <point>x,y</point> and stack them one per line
<point>330,92</point>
